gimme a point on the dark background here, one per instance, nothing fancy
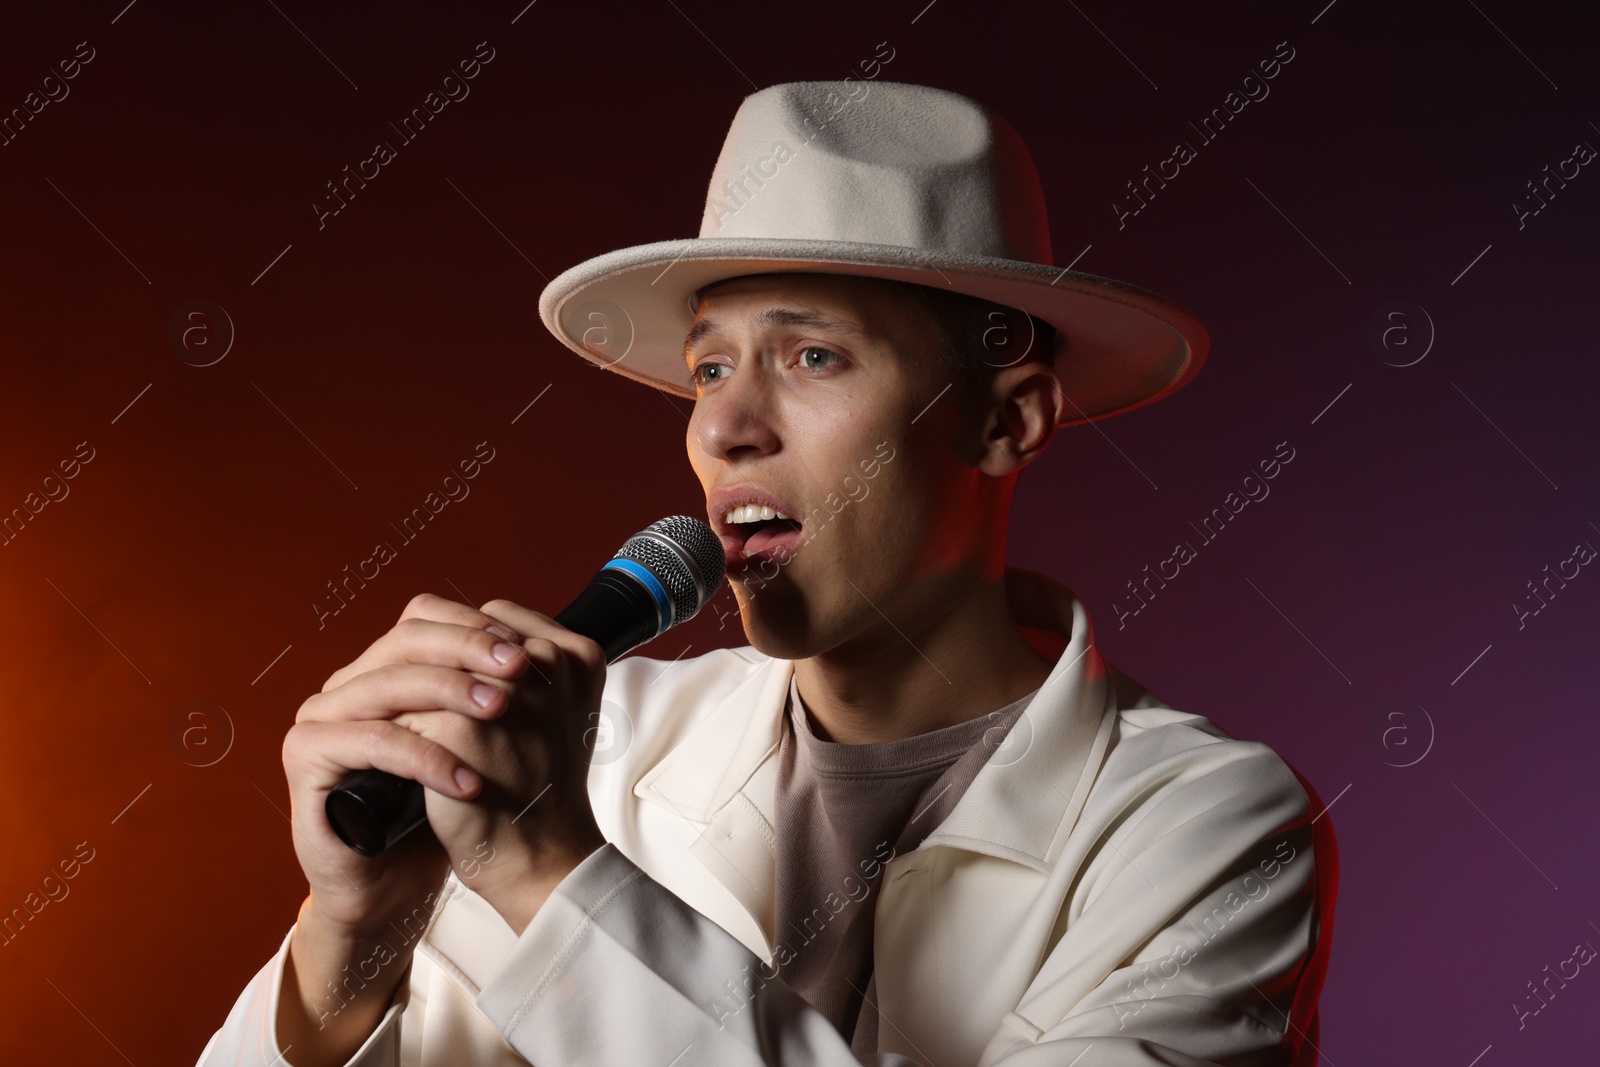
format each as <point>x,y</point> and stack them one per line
<point>1359,619</point>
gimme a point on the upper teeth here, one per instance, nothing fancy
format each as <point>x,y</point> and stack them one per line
<point>752,513</point>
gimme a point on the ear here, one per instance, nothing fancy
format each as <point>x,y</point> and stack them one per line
<point>1026,405</point>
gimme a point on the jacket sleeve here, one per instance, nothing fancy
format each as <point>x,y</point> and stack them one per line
<point>249,1035</point>
<point>1195,934</point>
<point>1215,958</point>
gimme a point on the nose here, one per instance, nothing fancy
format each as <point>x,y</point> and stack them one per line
<point>736,419</point>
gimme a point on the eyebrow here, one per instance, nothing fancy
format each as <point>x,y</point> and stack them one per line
<point>773,316</point>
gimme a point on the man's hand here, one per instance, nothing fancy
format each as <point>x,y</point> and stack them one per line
<point>444,689</point>
<point>447,691</point>
<point>532,823</point>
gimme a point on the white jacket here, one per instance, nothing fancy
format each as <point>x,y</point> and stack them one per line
<point>1122,884</point>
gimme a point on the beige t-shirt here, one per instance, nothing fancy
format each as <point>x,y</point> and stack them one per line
<point>843,812</point>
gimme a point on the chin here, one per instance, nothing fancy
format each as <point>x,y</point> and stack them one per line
<point>777,625</point>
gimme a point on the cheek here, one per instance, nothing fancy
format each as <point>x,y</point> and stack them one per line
<point>827,442</point>
<point>925,529</point>
<point>882,511</point>
<point>699,461</point>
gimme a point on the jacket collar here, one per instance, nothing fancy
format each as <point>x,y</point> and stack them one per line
<point>1026,799</point>
<point>1020,807</point>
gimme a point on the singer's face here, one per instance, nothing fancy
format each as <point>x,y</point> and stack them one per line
<point>823,394</point>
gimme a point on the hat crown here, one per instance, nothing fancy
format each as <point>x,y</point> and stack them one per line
<point>877,162</point>
<point>877,179</point>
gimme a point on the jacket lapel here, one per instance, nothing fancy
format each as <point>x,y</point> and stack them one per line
<point>965,894</point>
<point>1026,798</point>
<point>723,774</point>
<point>963,921</point>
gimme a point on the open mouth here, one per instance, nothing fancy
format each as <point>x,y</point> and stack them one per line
<point>773,539</point>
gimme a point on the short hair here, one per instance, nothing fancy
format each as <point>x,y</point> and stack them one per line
<point>980,337</point>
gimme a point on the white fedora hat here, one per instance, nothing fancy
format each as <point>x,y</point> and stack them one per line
<point>883,180</point>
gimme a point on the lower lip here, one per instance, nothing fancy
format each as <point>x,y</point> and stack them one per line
<point>765,546</point>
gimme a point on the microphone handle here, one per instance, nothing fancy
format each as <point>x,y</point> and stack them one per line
<point>371,809</point>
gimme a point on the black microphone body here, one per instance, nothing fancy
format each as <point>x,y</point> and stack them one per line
<point>614,611</point>
<point>660,578</point>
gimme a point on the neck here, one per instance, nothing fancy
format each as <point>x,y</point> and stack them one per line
<point>954,666</point>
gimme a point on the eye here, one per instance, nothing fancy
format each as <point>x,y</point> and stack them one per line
<point>697,376</point>
<point>809,349</point>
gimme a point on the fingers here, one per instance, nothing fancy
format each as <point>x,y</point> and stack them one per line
<point>463,641</point>
<point>435,608</point>
<point>393,688</point>
<point>319,754</point>
<point>535,626</point>
<point>443,655</point>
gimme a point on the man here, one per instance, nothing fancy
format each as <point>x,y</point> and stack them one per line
<point>918,820</point>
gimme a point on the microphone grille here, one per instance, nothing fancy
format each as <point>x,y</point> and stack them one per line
<point>686,556</point>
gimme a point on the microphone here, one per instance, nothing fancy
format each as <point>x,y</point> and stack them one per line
<point>661,577</point>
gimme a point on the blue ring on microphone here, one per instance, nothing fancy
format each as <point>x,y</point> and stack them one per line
<point>652,584</point>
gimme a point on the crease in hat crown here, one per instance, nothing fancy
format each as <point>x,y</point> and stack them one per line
<point>887,180</point>
<point>920,168</point>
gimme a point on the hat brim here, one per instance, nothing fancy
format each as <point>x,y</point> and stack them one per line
<point>1121,346</point>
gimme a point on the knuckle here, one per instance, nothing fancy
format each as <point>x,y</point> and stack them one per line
<point>292,743</point>
<point>500,610</point>
<point>387,675</point>
<point>503,610</point>
<point>421,605</point>
<point>301,747</point>
<point>411,626</point>
<point>375,738</point>
<point>589,653</point>
<point>373,683</point>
